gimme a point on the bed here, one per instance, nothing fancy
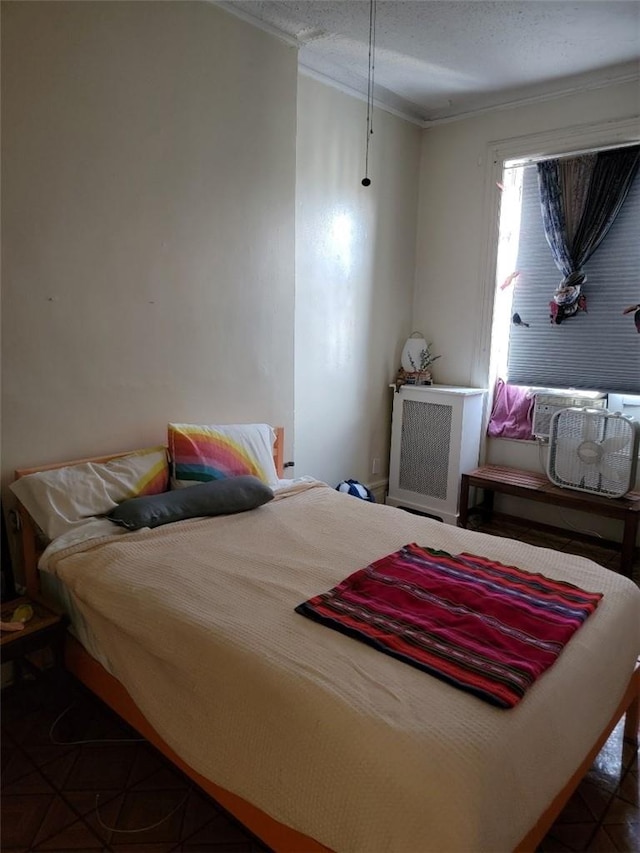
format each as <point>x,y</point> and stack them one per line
<point>314,740</point>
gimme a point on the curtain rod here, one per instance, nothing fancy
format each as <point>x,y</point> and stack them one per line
<point>518,162</point>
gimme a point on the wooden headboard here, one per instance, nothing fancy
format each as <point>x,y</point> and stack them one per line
<point>31,541</point>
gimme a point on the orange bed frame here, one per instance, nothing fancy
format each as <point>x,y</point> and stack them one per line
<point>277,836</point>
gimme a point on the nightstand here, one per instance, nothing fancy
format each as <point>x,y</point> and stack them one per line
<point>46,629</point>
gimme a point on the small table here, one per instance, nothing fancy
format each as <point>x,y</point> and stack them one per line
<point>537,487</point>
<point>46,629</point>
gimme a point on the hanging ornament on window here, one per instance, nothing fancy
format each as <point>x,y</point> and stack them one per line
<point>510,279</point>
<point>635,310</point>
<point>366,181</point>
<point>568,298</point>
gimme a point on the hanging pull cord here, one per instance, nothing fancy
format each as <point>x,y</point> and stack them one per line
<point>370,83</point>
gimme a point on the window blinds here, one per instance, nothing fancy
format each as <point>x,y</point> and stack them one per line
<point>598,349</point>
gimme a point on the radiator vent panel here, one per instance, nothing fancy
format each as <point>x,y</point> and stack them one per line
<point>424,448</point>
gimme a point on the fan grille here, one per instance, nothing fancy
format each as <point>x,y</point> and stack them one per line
<point>593,451</point>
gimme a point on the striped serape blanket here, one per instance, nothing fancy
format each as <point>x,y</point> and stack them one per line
<point>481,626</point>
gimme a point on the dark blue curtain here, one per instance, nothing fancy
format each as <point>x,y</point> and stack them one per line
<point>580,198</point>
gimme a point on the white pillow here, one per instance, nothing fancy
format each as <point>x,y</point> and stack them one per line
<point>65,498</point>
<point>203,452</point>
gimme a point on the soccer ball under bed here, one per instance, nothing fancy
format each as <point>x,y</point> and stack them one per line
<point>353,487</point>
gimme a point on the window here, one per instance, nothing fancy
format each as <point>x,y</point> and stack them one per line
<point>598,349</point>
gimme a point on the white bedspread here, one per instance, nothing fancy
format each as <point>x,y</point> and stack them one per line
<point>324,733</point>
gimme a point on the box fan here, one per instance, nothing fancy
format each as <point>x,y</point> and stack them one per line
<point>593,450</point>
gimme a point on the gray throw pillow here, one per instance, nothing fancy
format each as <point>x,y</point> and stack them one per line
<point>217,497</point>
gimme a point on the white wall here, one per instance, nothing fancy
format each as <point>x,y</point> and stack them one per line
<point>355,261</point>
<point>148,211</point>
<point>149,231</point>
<point>453,295</point>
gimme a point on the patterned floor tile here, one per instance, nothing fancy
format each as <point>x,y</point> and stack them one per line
<point>629,789</point>
<point>59,816</point>
<point>55,770</point>
<point>596,797</point>
<point>32,783</point>
<point>552,845</point>
<point>165,777</point>
<point>626,837</point>
<point>578,811</point>
<point>199,811</point>
<point>85,804</point>
<point>572,836</point>
<point>601,842</point>
<point>147,761</point>
<point>75,837</point>
<point>219,830</point>
<point>22,816</point>
<point>16,765</point>
<point>146,817</point>
<point>99,769</point>
<point>621,811</point>
<point>103,814</point>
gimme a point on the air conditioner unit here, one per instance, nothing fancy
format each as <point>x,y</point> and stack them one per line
<point>626,404</point>
<point>594,451</point>
<point>547,403</point>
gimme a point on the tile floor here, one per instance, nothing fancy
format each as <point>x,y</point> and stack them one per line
<point>111,792</point>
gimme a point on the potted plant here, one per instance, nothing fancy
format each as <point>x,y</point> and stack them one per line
<point>421,369</point>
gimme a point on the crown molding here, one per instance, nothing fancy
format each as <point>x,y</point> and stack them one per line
<point>239,12</point>
<point>511,104</point>
<point>307,71</point>
<point>577,87</point>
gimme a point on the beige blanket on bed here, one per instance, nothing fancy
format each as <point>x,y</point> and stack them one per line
<point>324,733</point>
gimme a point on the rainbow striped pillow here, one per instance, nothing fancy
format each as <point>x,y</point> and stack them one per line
<point>200,453</point>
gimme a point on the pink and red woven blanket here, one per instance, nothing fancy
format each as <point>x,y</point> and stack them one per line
<point>482,626</point>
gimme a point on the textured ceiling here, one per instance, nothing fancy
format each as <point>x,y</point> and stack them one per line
<point>439,60</point>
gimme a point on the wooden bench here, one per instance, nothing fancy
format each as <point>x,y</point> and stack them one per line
<point>536,487</point>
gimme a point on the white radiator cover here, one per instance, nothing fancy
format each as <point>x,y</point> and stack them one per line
<point>435,438</point>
